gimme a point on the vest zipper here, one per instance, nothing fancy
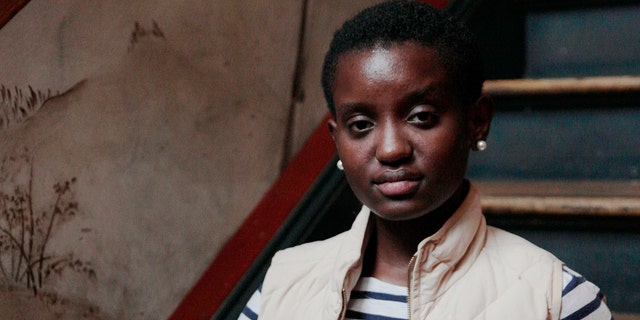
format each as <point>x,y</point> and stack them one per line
<point>344,304</point>
<point>412,264</point>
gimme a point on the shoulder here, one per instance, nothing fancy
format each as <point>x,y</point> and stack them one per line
<point>303,262</point>
<point>306,273</point>
<point>303,272</point>
<point>310,252</point>
<point>348,244</point>
<point>516,258</point>
<point>515,250</point>
<point>506,240</point>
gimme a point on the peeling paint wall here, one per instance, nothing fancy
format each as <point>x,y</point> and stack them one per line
<point>164,123</point>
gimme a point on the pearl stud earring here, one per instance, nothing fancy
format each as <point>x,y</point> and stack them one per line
<point>339,165</point>
<point>481,145</point>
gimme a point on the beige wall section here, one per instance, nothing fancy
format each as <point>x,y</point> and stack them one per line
<point>164,138</point>
<point>323,18</point>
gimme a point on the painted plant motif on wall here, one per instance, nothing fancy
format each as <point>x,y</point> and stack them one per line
<point>140,32</point>
<point>26,230</point>
<point>17,104</point>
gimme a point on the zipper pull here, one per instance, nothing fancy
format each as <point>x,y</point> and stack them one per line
<point>412,265</point>
<point>343,309</point>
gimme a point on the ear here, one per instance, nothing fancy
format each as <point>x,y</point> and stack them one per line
<point>480,116</point>
<point>333,126</point>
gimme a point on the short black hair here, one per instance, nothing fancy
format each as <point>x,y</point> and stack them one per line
<point>399,21</point>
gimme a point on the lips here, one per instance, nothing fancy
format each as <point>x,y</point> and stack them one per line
<point>397,183</point>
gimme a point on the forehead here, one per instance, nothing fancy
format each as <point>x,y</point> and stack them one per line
<point>400,67</point>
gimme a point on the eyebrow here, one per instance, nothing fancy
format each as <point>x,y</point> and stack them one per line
<point>413,97</point>
<point>420,94</point>
<point>353,107</point>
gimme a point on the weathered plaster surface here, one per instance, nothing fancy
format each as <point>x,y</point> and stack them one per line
<point>171,119</point>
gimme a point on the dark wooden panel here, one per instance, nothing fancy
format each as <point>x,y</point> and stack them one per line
<point>9,8</point>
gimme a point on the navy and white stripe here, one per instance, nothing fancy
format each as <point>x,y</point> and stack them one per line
<point>252,309</point>
<point>373,299</point>
<point>582,299</point>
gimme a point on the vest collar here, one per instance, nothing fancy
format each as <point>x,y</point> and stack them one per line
<point>443,258</point>
<point>452,248</point>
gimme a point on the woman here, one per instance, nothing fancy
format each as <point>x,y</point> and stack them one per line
<point>403,84</point>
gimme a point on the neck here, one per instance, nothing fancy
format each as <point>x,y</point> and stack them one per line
<point>394,243</point>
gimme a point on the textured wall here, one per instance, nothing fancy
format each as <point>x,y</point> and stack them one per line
<point>323,18</point>
<point>165,125</point>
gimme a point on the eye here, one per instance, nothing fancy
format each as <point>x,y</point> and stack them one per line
<point>423,118</point>
<point>359,125</point>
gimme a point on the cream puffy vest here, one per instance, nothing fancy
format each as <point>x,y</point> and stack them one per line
<point>466,270</point>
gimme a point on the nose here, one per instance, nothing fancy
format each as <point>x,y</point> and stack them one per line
<point>393,147</point>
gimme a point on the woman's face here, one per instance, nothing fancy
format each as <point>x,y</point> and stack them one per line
<point>400,129</point>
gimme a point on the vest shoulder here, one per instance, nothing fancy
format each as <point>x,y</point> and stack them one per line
<point>305,269</point>
<point>305,261</point>
<point>310,251</point>
<point>515,251</point>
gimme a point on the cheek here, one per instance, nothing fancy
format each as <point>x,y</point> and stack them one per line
<point>354,167</point>
<point>457,156</point>
<point>355,162</point>
<point>446,152</point>
<point>352,152</point>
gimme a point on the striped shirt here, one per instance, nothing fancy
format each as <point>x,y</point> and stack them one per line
<point>375,299</point>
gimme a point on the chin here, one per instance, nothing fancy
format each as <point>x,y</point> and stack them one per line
<point>400,212</point>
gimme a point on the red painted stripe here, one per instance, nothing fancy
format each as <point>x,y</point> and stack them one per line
<point>440,4</point>
<point>9,8</point>
<point>247,243</point>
